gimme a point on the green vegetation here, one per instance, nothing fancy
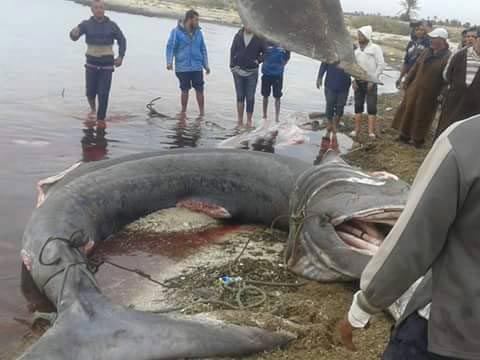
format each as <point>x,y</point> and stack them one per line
<point>380,24</point>
<point>410,9</point>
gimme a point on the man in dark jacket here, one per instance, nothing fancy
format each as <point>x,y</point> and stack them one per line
<point>273,67</point>
<point>420,41</point>
<point>337,87</point>
<point>186,46</point>
<point>462,75</point>
<point>100,33</point>
<point>246,54</point>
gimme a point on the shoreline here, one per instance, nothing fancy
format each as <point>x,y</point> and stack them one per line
<point>170,10</point>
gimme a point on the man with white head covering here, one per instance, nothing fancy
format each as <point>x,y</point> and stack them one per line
<point>370,57</point>
<point>423,86</point>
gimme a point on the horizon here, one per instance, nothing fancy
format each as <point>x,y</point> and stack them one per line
<point>459,10</point>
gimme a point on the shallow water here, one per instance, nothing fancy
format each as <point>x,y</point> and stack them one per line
<point>43,110</point>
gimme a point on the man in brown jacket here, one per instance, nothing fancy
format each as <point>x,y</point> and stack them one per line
<point>463,77</point>
<point>423,84</point>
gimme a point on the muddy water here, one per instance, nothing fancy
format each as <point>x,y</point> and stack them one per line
<point>43,110</point>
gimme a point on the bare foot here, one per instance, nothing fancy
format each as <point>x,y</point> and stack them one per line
<point>101,124</point>
<point>92,115</point>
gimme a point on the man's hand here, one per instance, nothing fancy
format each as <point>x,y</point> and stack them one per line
<point>344,331</point>
<point>354,85</point>
<point>207,71</point>
<point>370,87</point>
<point>398,83</point>
<point>169,67</point>
<point>75,33</point>
<point>118,61</point>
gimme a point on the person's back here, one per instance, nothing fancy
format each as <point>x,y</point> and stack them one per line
<point>275,59</point>
<point>273,68</point>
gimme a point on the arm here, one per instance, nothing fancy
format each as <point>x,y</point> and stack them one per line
<point>263,50</point>
<point>448,71</point>
<point>380,62</point>
<point>233,52</point>
<point>321,74</point>
<point>171,46</point>
<point>420,234</point>
<point>205,55</point>
<point>77,32</point>
<point>412,74</point>
<point>121,41</point>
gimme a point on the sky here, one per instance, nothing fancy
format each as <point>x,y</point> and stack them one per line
<point>463,10</point>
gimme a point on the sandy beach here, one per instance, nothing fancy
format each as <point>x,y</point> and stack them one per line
<point>170,9</point>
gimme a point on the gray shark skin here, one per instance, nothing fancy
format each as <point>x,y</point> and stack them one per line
<point>339,217</point>
<point>99,199</point>
<point>313,28</point>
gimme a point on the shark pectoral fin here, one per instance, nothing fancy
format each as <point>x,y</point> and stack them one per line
<point>92,328</point>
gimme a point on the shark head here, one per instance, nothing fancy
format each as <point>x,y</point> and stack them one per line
<point>340,216</point>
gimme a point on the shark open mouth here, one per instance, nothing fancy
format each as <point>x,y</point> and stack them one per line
<point>366,230</point>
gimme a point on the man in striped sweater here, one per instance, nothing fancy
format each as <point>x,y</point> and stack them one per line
<point>463,77</point>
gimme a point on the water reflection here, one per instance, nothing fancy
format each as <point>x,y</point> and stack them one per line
<point>186,132</point>
<point>94,142</point>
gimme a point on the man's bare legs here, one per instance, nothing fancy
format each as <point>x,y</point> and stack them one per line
<point>372,125</point>
<point>201,102</point>
<point>265,108</point>
<point>184,101</point>
<point>249,120</point>
<point>278,103</point>
<point>240,112</point>
<point>358,123</point>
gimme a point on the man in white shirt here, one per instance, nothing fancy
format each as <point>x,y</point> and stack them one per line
<point>370,57</point>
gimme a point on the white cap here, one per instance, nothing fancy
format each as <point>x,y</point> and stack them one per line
<point>439,33</point>
<point>366,31</point>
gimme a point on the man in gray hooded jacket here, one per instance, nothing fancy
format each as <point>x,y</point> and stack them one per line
<point>439,230</point>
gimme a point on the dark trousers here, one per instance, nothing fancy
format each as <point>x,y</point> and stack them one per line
<point>246,86</point>
<point>410,341</point>
<point>336,101</point>
<point>99,82</point>
<point>371,97</point>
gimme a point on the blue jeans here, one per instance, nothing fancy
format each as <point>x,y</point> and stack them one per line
<point>336,101</point>
<point>246,86</point>
<point>410,341</point>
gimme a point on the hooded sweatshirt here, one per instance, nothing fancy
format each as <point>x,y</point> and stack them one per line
<point>246,57</point>
<point>187,49</point>
<point>371,57</point>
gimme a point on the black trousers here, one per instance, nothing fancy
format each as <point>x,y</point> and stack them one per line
<point>410,341</point>
<point>99,82</point>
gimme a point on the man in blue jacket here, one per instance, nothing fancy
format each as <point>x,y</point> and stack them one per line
<point>186,46</point>
<point>275,59</point>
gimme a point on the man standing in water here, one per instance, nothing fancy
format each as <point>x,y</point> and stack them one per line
<point>246,54</point>
<point>186,46</point>
<point>276,57</point>
<point>370,57</point>
<point>100,33</point>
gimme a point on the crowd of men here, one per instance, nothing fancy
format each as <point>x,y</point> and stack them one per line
<point>430,71</point>
<point>437,232</point>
